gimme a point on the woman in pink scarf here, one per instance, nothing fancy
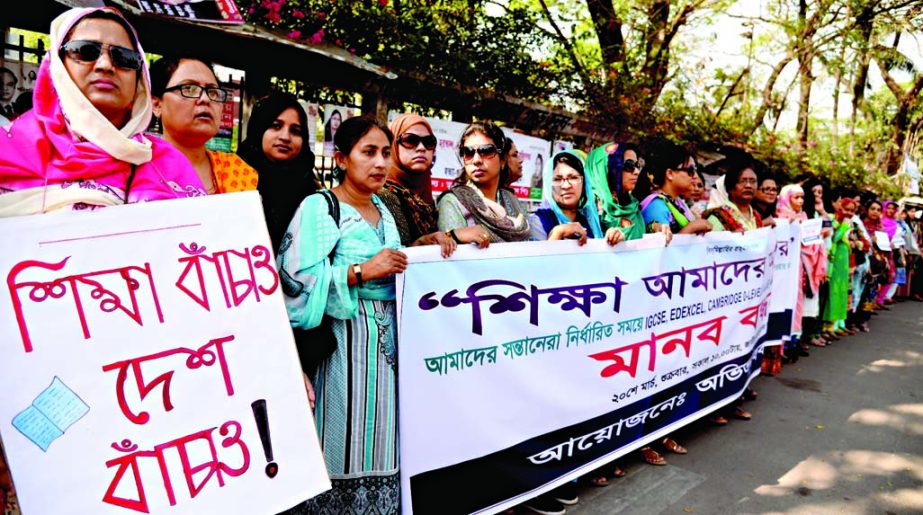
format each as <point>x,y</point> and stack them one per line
<point>81,146</point>
<point>813,257</point>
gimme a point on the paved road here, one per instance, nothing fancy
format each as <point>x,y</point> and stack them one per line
<point>839,432</point>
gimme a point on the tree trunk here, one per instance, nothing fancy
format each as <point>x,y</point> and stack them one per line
<point>608,30</point>
<point>767,92</point>
<point>864,24</point>
<point>805,60</point>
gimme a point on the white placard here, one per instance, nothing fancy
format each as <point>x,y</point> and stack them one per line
<point>811,231</point>
<point>882,241</point>
<point>148,366</point>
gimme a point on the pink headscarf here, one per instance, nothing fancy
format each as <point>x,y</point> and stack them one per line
<point>64,145</point>
<point>813,257</point>
<point>784,205</point>
<point>887,223</point>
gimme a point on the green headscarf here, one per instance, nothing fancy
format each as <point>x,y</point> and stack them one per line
<point>602,161</point>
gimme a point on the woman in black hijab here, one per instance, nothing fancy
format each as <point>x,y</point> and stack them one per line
<point>277,147</point>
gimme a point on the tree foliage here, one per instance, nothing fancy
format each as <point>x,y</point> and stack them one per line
<point>628,65</point>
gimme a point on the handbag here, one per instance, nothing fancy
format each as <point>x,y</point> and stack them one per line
<point>317,344</point>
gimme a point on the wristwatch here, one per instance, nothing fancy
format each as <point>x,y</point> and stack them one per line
<point>357,271</point>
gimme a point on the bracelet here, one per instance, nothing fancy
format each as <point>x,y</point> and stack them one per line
<point>357,271</point>
<point>451,232</point>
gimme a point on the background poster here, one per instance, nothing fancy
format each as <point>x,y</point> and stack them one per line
<point>17,80</point>
<point>333,117</point>
<point>148,366</point>
<point>535,153</point>
<point>447,165</point>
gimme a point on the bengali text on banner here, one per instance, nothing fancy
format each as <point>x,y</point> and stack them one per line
<point>529,364</point>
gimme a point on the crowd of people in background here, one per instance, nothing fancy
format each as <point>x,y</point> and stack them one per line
<point>83,146</point>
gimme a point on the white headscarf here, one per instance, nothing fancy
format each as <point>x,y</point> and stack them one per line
<point>719,194</point>
<point>83,119</point>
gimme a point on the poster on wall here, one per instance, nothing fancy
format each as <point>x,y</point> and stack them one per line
<point>534,153</point>
<point>447,164</point>
<point>148,365</point>
<point>333,117</point>
<point>17,80</point>
<point>226,139</point>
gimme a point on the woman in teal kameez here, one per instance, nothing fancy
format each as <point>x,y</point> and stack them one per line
<point>838,267</point>
<point>356,387</point>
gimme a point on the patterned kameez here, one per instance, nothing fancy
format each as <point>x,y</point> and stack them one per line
<point>356,387</point>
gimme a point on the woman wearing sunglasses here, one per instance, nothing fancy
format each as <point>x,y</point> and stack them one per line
<point>188,101</point>
<point>663,188</point>
<point>408,192</point>
<point>613,170</point>
<point>91,104</point>
<point>275,148</point>
<point>477,209</point>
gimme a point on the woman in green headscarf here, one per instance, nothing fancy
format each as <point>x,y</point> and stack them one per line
<point>613,171</point>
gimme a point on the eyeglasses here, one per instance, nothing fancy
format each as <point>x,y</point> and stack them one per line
<point>632,166</point>
<point>411,141</point>
<point>485,151</point>
<point>195,91</point>
<point>691,170</point>
<point>89,52</point>
<point>769,189</point>
<point>573,180</point>
<point>751,182</point>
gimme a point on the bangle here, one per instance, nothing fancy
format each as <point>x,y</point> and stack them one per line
<point>451,233</point>
<point>357,271</point>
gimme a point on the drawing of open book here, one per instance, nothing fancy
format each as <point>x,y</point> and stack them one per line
<point>51,413</point>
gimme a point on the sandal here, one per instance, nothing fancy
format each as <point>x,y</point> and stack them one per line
<point>599,481</point>
<point>750,394</point>
<point>742,414</point>
<point>719,420</point>
<point>618,472</point>
<point>653,457</point>
<point>819,342</point>
<point>673,446</point>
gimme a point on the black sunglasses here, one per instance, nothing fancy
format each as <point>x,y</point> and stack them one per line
<point>485,151</point>
<point>691,170</point>
<point>631,165</point>
<point>411,141</point>
<point>89,52</point>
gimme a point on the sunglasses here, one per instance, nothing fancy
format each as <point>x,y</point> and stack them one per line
<point>411,141</point>
<point>89,52</point>
<point>485,151</point>
<point>691,170</point>
<point>630,165</point>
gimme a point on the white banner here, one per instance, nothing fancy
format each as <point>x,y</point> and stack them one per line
<point>148,365</point>
<point>529,364</point>
<point>784,292</point>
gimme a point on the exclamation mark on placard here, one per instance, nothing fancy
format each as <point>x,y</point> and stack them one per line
<point>262,425</point>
